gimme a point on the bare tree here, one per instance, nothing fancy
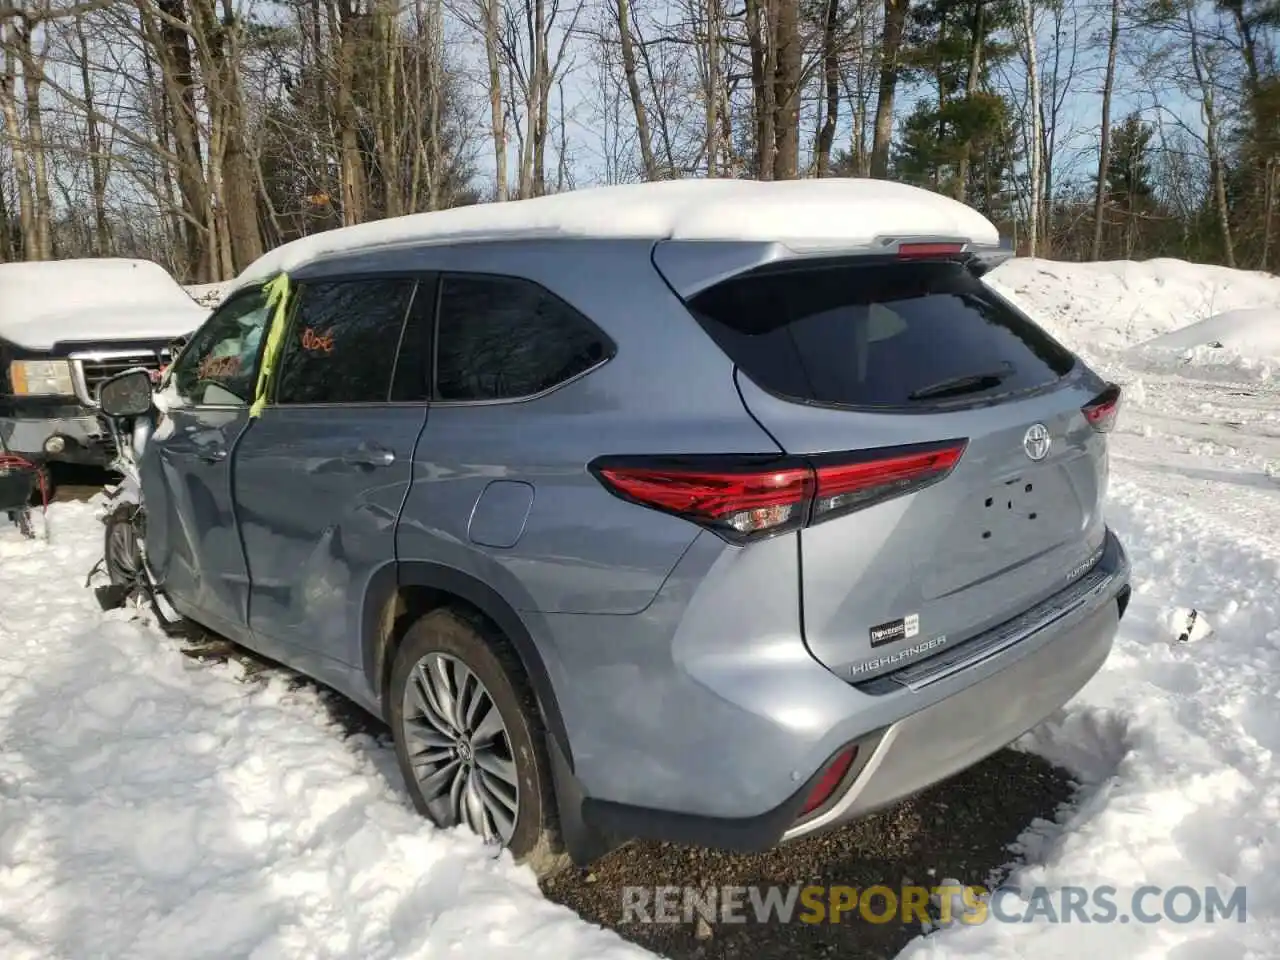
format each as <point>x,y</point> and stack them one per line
<point>1035,114</point>
<point>1104,142</point>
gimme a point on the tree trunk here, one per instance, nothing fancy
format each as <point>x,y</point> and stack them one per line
<point>240,188</point>
<point>1208,109</point>
<point>497,116</point>
<point>386,108</point>
<point>623,10</point>
<point>1033,83</point>
<point>533,12</point>
<point>540,128</point>
<point>831,80</point>
<point>787,77</point>
<point>32,72</point>
<point>977,37</point>
<point>1104,146</point>
<point>354,187</point>
<point>174,53</point>
<point>17,149</point>
<point>93,140</point>
<point>164,186</point>
<point>711,107</point>
<point>1268,206</point>
<point>7,252</point>
<point>895,21</point>
<point>667,166</point>
<point>1248,42</point>
<point>762,86</point>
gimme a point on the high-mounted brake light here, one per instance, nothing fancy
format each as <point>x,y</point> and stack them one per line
<point>748,497</point>
<point>921,251</point>
<point>1104,409</point>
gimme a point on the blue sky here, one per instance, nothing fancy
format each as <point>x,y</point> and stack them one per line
<point>1079,120</point>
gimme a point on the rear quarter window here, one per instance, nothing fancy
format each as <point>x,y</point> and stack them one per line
<point>903,335</point>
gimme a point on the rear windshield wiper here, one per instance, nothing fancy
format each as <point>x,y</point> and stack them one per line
<point>957,386</point>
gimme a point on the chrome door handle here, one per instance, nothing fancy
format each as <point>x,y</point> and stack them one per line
<point>369,455</point>
<point>213,454</point>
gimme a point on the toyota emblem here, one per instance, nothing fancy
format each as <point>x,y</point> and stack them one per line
<point>1037,441</point>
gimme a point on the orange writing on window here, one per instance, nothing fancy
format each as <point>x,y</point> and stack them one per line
<point>317,342</point>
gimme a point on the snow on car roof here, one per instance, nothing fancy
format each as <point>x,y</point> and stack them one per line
<point>92,299</point>
<point>805,215</point>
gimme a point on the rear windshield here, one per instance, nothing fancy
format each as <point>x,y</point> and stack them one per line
<point>875,335</point>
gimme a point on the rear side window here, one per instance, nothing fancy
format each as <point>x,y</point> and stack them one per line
<point>878,335</point>
<point>341,347</point>
<point>502,338</point>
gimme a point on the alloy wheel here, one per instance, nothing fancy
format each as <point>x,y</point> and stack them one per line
<point>459,749</point>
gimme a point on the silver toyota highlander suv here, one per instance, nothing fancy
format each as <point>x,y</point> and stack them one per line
<point>714,512</point>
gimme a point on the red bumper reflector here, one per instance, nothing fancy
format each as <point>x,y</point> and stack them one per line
<point>830,780</point>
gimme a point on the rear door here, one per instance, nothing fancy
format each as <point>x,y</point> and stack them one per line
<point>959,480</point>
<point>321,474</point>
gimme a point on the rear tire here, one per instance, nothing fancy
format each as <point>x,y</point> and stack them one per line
<point>469,738</point>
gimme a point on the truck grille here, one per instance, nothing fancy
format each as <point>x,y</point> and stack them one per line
<point>91,369</point>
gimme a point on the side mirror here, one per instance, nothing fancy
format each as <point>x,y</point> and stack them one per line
<point>126,394</point>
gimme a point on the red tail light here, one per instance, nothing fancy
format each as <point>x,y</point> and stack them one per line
<point>1103,410</point>
<point>736,499</point>
<point>744,498</point>
<point>830,780</point>
<point>848,486</point>
<point>921,251</point>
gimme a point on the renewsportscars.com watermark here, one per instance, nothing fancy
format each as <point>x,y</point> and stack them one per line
<point>933,905</point>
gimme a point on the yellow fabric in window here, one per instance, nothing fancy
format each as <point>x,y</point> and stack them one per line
<point>277,292</point>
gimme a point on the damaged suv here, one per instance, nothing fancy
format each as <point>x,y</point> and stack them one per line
<point>717,512</point>
<point>66,326</point>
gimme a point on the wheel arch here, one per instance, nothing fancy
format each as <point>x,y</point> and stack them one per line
<point>400,593</point>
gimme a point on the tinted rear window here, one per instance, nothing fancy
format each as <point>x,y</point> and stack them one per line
<point>874,335</point>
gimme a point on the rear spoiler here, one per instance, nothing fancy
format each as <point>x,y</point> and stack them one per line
<point>982,260</point>
<point>691,266</point>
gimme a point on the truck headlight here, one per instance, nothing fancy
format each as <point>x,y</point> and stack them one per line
<point>41,378</point>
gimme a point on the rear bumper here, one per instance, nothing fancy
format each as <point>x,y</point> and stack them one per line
<point>787,732</point>
<point>954,734</point>
<point>84,439</point>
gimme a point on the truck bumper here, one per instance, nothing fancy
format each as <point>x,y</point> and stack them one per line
<point>68,434</point>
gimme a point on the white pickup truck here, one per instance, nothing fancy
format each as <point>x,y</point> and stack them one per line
<point>67,325</point>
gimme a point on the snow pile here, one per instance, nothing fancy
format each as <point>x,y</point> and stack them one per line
<point>1245,342</point>
<point>1176,746</point>
<point>1097,308</point>
<point>155,807</point>
<point>92,300</point>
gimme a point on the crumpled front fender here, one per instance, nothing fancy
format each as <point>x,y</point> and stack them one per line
<point>127,491</point>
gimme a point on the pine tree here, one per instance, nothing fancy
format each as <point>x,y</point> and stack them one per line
<point>959,141</point>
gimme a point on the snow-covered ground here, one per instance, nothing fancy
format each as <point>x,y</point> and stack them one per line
<point>155,807</point>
